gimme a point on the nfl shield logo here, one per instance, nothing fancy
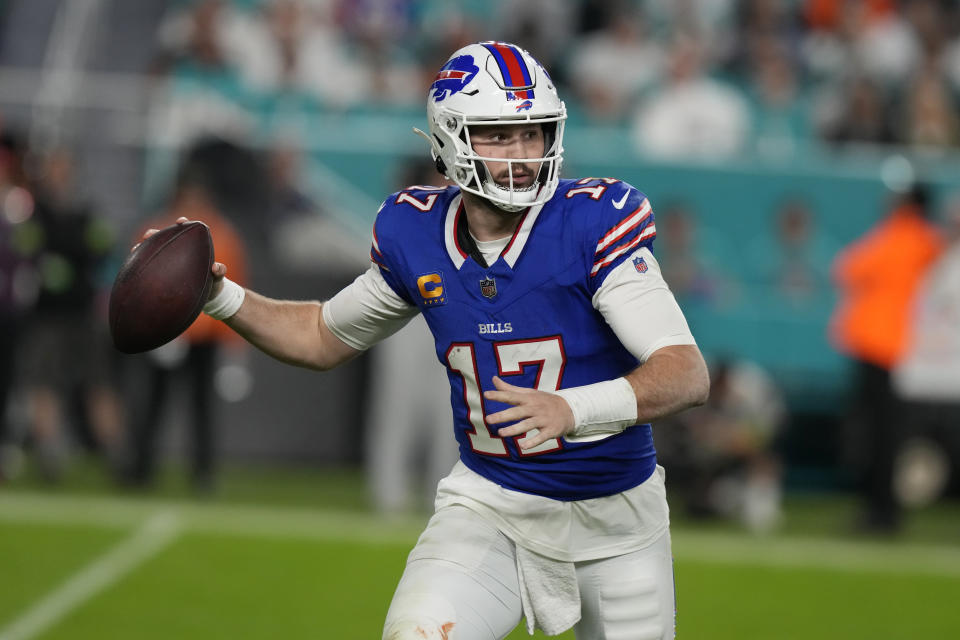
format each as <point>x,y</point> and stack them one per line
<point>488,288</point>
<point>640,264</point>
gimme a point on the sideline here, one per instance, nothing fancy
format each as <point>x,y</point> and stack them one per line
<point>881,557</point>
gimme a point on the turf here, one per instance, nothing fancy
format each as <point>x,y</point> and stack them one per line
<point>33,557</point>
<point>206,586</point>
<point>722,601</point>
<point>297,554</point>
<point>238,572</point>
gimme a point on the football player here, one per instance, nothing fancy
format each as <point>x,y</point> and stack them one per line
<point>561,343</point>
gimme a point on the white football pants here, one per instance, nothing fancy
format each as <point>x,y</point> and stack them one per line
<point>461,583</point>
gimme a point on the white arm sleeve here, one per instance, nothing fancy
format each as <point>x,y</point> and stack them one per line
<point>641,309</point>
<point>366,311</point>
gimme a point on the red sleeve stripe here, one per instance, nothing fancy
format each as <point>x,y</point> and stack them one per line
<point>624,232</point>
<point>648,234</point>
<point>376,245</point>
<point>624,226</point>
<point>377,259</point>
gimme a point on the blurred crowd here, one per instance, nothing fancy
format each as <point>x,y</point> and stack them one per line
<point>704,77</point>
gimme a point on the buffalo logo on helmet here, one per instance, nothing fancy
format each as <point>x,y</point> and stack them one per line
<point>453,77</point>
<point>525,105</point>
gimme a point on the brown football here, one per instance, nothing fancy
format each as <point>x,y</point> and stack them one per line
<point>161,287</point>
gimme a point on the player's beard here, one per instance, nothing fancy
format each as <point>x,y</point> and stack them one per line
<point>501,181</point>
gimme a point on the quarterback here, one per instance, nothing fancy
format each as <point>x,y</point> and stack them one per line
<point>561,343</point>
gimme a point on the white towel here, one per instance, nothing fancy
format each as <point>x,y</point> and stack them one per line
<point>548,591</point>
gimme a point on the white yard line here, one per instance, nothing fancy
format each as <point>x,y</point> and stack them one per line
<point>151,538</point>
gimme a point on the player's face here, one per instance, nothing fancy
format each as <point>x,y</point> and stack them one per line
<point>510,142</point>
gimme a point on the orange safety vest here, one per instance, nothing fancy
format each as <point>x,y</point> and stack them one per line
<point>878,277</point>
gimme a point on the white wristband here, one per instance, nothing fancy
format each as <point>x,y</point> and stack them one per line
<point>601,409</point>
<point>227,302</point>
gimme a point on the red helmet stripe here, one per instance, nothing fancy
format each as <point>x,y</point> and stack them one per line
<point>512,66</point>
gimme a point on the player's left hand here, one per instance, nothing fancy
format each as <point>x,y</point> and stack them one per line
<point>549,414</point>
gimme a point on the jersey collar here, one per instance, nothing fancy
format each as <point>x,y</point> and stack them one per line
<point>460,244</point>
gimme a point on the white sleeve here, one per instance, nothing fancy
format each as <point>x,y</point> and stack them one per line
<point>640,308</point>
<point>366,311</point>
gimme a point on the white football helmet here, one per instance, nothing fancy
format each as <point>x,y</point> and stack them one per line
<point>494,83</point>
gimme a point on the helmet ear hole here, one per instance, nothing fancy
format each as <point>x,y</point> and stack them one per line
<point>441,167</point>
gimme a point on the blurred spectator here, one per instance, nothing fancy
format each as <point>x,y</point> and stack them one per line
<point>408,445</point>
<point>931,368</point>
<point>929,120</point>
<point>301,233</point>
<point>780,110</point>
<point>610,67</point>
<point>199,92</point>
<point>710,22</point>
<point>389,20</point>
<point>341,53</point>
<point>199,34</point>
<point>17,285</point>
<point>951,59</point>
<point>66,358</point>
<point>298,47</point>
<point>932,21</point>
<point>823,51</point>
<point>692,115</point>
<point>883,43</point>
<point>828,14</point>
<point>858,113</point>
<point>691,258</point>
<point>543,27</point>
<point>794,265</point>
<point>193,357</point>
<point>928,377</point>
<point>725,450</point>
<point>288,201</point>
<point>877,278</point>
<point>380,31</point>
<point>445,27</point>
<point>860,53</point>
<point>236,180</point>
<point>869,37</point>
<point>762,24</point>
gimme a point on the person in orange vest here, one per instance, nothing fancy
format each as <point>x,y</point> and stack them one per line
<point>194,355</point>
<point>877,277</point>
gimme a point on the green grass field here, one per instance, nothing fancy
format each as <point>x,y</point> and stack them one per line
<point>89,562</point>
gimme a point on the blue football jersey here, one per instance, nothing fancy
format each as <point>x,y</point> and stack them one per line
<point>527,318</point>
